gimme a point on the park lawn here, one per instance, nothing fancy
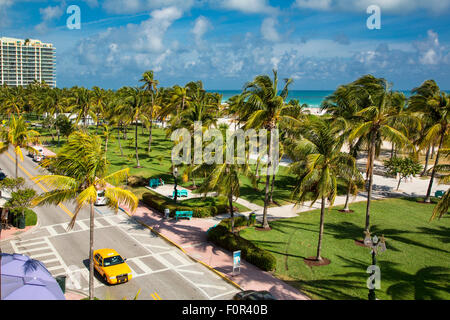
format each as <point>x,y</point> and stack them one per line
<point>416,264</point>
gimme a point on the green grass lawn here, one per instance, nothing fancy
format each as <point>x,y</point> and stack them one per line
<point>416,264</point>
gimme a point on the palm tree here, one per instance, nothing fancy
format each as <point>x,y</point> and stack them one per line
<point>19,136</point>
<point>377,113</point>
<point>320,150</point>
<point>99,100</point>
<point>134,104</point>
<point>262,110</point>
<point>435,107</point>
<point>150,86</point>
<point>82,171</point>
<point>80,103</point>
<point>444,203</point>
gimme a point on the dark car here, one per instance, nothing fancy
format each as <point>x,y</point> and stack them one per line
<point>2,176</point>
<point>254,295</point>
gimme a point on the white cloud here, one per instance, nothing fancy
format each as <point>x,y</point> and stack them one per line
<point>50,13</point>
<point>268,30</point>
<point>390,6</point>
<point>135,6</point>
<point>201,26</point>
<point>314,4</point>
<point>249,6</point>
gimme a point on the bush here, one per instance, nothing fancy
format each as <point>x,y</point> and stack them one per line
<point>137,181</point>
<point>221,236</point>
<point>159,203</point>
<point>30,217</point>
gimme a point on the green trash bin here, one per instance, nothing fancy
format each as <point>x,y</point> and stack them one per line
<point>252,219</point>
<point>62,282</point>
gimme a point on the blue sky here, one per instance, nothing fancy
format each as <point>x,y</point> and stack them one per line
<point>225,43</point>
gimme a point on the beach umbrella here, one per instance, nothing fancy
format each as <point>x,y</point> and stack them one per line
<point>23,278</point>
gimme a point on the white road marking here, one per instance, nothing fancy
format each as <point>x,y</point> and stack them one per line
<point>142,266</point>
<point>52,231</point>
<point>82,225</point>
<point>97,224</point>
<point>191,271</point>
<point>211,286</point>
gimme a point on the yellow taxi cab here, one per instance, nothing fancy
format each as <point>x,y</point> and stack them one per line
<point>111,266</point>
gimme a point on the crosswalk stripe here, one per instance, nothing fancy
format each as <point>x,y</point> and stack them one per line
<point>97,224</point>
<point>52,231</point>
<point>142,266</point>
<point>82,225</point>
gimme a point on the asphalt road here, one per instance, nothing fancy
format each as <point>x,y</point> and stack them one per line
<point>160,270</point>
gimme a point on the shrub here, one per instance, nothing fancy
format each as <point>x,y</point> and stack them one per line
<point>137,181</point>
<point>30,217</point>
<point>159,203</point>
<point>221,236</point>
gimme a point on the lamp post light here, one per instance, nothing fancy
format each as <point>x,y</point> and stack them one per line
<point>175,175</point>
<point>377,246</point>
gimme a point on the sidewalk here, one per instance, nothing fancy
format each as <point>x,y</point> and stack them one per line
<point>191,236</point>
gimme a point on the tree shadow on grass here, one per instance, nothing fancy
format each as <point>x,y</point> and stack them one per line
<point>423,285</point>
<point>441,232</point>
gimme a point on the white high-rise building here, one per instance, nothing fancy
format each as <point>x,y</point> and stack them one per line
<point>26,61</point>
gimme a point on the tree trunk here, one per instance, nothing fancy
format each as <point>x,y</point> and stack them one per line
<point>369,192</point>
<point>150,131</point>
<point>118,138</point>
<point>432,151</point>
<point>347,199</point>
<point>272,186</point>
<point>17,166</point>
<point>266,199</point>
<point>399,181</point>
<point>230,204</point>
<point>91,254</point>
<point>138,165</point>
<point>433,173</point>
<point>322,216</point>
<point>425,168</point>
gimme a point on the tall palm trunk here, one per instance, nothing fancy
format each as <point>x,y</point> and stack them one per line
<point>150,130</point>
<point>230,204</point>
<point>427,157</point>
<point>347,199</point>
<point>433,173</point>
<point>91,254</point>
<point>118,138</point>
<point>17,166</point>
<point>272,186</point>
<point>138,165</point>
<point>369,191</point>
<point>322,216</point>
<point>266,198</point>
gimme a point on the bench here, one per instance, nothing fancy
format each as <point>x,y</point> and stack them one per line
<point>439,193</point>
<point>183,214</point>
<point>155,183</point>
<point>207,231</point>
<point>180,193</point>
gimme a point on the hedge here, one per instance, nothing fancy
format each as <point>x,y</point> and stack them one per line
<point>160,203</point>
<point>30,217</point>
<point>221,236</point>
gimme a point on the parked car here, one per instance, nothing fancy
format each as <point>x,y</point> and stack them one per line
<point>111,266</point>
<point>254,295</point>
<point>101,200</point>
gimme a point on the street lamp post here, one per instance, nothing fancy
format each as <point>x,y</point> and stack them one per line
<point>175,175</point>
<point>377,246</point>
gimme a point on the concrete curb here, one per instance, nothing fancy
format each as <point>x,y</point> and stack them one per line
<point>184,251</point>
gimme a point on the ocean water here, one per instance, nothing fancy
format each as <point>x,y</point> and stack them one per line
<point>313,98</point>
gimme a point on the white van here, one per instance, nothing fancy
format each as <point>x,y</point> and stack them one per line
<point>101,200</point>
